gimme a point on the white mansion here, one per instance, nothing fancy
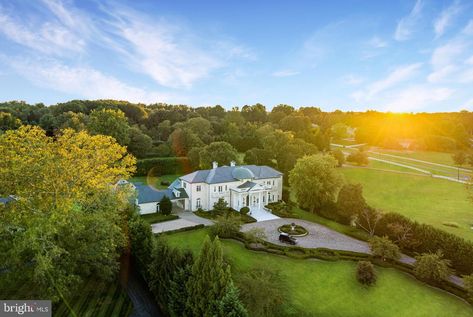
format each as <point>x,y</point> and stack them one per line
<point>240,186</point>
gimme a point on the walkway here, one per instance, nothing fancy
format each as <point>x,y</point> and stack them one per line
<point>322,237</point>
<point>262,214</point>
<point>186,219</point>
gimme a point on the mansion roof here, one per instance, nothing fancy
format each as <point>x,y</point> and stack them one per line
<point>227,174</point>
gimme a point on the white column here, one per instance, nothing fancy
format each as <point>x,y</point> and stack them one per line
<point>259,200</point>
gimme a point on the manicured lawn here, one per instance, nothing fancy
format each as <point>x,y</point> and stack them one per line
<point>155,181</point>
<point>320,288</point>
<point>155,217</point>
<point>435,157</point>
<point>94,298</point>
<point>425,199</point>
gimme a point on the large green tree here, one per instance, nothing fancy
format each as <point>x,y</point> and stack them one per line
<point>67,221</point>
<point>110,122</point>
<point>140,144</point>
<point>221,152</point>
<point>315,181</point>
<point>209,281</point>
<point>350,201</point>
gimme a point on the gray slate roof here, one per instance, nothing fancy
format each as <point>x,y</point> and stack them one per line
<point>5,200</point>
<point>148,194</point>
<point>247,184</point>
<point>224,174</point>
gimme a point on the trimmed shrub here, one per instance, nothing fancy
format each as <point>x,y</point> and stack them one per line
<point>365,273</point>
<point>432,267</point>
<point>244,210</point>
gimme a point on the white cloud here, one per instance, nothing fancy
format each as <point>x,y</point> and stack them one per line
<point>47,37</point>
<point>417,97</point>
<point>468,30</point>
<point>446,54</point>
<point>406,24</point>
<point>83,81</point>
<point>445,18</point>
<point>285,73</point>
<point>376,42</point>
<point>441,73</point>
<point>398,75</point>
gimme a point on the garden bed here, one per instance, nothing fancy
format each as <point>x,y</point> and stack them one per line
<point>156,217</point>
<point>212,215</point>
<point>298,231</point>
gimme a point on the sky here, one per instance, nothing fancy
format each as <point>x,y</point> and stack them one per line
<point>400,56</point>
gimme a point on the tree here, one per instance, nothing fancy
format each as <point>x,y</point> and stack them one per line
<point>432,267</point>
<point>165,205</point>
<point>183,140</point>
<point>141,241</point>
<point>459,158</point>
<point>368,219</point>
<point>227,226</point>
<point>109,122</point>
<point>140,144</point>
<point>339,131</point>
<point>258,157</point>
<point>255,235</point>
<point>351,202</point>
<point>468,280</point>
<point>209,281</point>
<point>194,157</point>
<point>365,273</point>
<point>358,157</point>
<point>8,122</point>
<point>221,152</point>
<point>339,156</point>
<point>384,248</point>
<point>67,221</point>
<point>230,305</point>
<point>263,291</point>
<point>315,181</point>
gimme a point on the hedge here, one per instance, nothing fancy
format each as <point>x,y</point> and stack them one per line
<point>159,166</point>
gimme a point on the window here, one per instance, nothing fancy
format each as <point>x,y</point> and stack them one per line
<point>220,188</point>
<point>273,183</point>
<point>197,203</point>
<point>226,188</point>
<point>198,188</point>
<point>215,189</point>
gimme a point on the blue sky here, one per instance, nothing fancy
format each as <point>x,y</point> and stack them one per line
<point>350,55</point>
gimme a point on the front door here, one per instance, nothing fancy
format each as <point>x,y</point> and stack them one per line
<point>248,200</point>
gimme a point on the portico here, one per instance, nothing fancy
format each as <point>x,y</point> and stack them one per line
<point>250,194</point>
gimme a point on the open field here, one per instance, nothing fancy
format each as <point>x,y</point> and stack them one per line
<point>425,199</point>
<point>94,298</point>
<point>434,157</point>
<point>320,288</point>
<point>155,181</point>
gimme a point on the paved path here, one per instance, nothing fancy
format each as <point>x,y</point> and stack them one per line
<point>262,215</point>
<point>186,219</point>
<point>322,237</point>
<point>319,236</point>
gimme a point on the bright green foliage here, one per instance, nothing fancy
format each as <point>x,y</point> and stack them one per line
<point>220,206</point>
<point>141,241</point>
<point>68,220</point>
<point>432,267</point>
<point>358,157</point>
<point>315,181</point>
<point>178,293</point>
<point>339,131</point>
<point>384,248</point>
<point>209,281</point>
<point>110,122</point>
<point>8,122</point>
<point>230,305</point>
<point>226,226</point>
<point>221,152</point>
<point>165,205</point>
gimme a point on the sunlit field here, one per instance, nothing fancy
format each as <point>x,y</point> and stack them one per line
<point>422,198</point>
<point>318,288</point>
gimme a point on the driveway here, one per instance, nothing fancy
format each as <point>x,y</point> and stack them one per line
<point>319,236</point>
<point>186,219</point>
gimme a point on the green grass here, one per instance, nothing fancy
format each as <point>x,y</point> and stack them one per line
<point>155,181</point>
<point>330,289</point>
<point>434,157</point>
<point>94,298</point>
<point>212,215</point>
<point>155,217</point>
<point>425,199</point>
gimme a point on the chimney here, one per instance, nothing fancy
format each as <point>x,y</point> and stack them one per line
<point>214,164</point>
<point>232,163</point>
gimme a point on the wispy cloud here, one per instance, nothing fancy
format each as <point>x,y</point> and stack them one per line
<point>445,18</point>
<point>406,24</point>
<point>446,60</point>
<point>397,76</point>
<point>377,42</point>
<point>82,81</point>
<point>468,30</point>
<point>416,98</point>
<point>285,73</point>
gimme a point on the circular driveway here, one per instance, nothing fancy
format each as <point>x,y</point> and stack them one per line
<point>319,236</point>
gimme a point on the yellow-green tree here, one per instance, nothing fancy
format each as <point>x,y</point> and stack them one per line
<point>67,220</point>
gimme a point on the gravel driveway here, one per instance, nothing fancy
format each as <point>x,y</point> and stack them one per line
<point>319,236</point>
